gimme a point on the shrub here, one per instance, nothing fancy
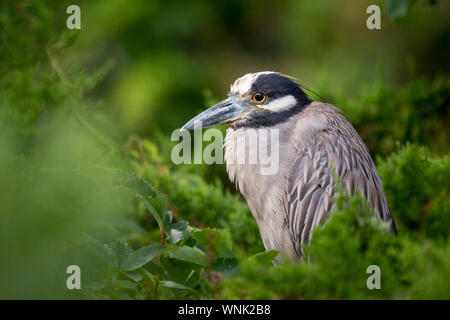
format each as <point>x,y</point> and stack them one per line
<point>417,186</point>
<point>338,257</point>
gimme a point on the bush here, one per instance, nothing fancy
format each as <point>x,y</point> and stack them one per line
<point>386,116</point>
<point>192,198</point>
<point>73,192</point>
<point>417,186</point>
<point>338,257</point>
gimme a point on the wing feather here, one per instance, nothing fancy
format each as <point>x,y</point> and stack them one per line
<point>310,182</point>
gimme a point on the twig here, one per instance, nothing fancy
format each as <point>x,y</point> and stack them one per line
<point>57,68</point>
<point>163,236</point>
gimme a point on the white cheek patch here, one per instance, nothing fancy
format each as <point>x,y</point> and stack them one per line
<point>280,104</point>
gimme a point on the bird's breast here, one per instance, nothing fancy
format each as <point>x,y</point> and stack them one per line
<point>254,163</point>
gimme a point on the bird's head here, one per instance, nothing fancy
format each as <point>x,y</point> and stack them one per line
<point>256,99</point>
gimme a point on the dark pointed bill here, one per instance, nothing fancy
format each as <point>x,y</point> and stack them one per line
<point>222,112</point>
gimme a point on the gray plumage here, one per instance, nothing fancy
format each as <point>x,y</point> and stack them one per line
<point>315,141</point>
<point>288,205</point>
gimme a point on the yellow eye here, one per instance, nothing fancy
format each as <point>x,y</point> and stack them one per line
<point>259,97</point>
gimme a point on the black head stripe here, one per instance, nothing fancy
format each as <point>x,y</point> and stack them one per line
<point>276,85</point>
<point>266,118</point>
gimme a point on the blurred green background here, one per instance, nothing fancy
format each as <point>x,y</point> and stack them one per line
<point>166,53</point>
<point>75,104</point>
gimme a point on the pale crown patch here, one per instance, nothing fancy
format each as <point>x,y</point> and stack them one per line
<point>243,85</point>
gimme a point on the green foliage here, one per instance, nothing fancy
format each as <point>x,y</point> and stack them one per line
<point>418,190</point>
<point>74,191</point>
<point>386,116</point>
<point>188,192</point>
<point>178,268</point>
<point>339,253</point>
<point>140,257</point>
<point>338,256</point>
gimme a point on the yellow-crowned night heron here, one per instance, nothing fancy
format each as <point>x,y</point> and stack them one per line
<point>315,142</point>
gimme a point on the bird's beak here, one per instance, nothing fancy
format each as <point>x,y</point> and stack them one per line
<point>223,112</point>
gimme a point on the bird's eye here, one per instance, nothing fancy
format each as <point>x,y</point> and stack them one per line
<point>259,97</point>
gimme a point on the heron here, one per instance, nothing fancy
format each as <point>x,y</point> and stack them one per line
<point>318,149</point>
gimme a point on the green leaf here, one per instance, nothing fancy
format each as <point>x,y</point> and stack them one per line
<point>178,231</point>
<point>122,250</point>
<point>179,271</point>
<point>154,213</point>
<point>188,254</point>
<point>125,284</point>
<point>140,257</point>
<point>158,209</point>
<point>175,285</point>
<point>227,264</point>
<point>138,185</point>
<point>213,240</point>
<point>154,268</point>
<point>167,218</point>
<point>133,275</point>
<point>104,251</point>
<point>264,258</point>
